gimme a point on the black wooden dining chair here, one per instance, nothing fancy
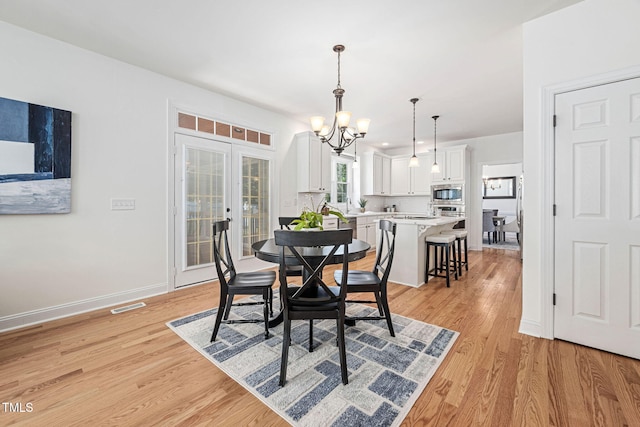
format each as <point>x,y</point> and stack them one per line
<point>285,224</point>
<point>375,281</point>
<point>314,299</point>
<point>254,283</point>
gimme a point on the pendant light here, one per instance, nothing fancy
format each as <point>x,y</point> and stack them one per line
<point>413,162</point>
<point>355,164</point>
<point>435,168</point>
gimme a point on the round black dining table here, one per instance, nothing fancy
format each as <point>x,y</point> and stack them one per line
<point>267,250</point>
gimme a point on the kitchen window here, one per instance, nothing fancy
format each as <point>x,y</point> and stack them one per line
<point>343,184</point>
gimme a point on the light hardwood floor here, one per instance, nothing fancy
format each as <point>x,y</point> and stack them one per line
<point>131,370</point>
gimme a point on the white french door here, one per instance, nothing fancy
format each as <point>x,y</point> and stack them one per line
<point>253,223</point>
<point>597,225</point>
<point>202,196</point>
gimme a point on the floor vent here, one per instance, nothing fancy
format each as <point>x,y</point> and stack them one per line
<point>128,307</point>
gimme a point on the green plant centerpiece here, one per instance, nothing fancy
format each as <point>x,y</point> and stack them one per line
<point>312,218</point>
<point>363,204</point>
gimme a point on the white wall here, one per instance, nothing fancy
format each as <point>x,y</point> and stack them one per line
<point>588,39</point>
<point>55,265</point>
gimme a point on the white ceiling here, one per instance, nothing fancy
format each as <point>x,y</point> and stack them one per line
<point>462,58</point>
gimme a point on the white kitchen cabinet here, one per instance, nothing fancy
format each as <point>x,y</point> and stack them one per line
<point>366,226</point>
<point>314,164</point>
<point>329,223</point>
<point>453,164</point>
<point>375,174</point>
<point>411,181</point>
<point>361,232</point>
<point>400,176</point>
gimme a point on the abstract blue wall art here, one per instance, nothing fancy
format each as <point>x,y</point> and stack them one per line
<point>35,158</point>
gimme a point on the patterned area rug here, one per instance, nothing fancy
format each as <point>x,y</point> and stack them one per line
<point>510,243</point>
<point>386,374</point>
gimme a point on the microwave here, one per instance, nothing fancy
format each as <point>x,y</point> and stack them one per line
<point>447,194</point>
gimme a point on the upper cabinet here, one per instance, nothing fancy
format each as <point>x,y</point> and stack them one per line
<point>411,181</point>
<point>375,174</point>
<point>382,175</point>
<point>453,163</point>
<point>314,164</point>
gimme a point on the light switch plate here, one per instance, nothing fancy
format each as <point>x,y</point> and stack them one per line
<point>123,204</point>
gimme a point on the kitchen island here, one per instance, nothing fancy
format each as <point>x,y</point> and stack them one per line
<point>409,259</point>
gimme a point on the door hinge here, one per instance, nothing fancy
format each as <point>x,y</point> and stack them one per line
<point>555,209</point>
<point>555,120</point>
<point>554,299</point>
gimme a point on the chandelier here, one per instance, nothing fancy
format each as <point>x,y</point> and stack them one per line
<point>344,134</point>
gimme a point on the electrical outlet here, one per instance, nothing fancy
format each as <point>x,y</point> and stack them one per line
<point>123,204</point>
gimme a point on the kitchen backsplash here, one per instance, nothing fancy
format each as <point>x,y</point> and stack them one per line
<point>414,204</point>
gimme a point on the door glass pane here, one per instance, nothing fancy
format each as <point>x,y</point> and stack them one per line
<point>255,202</point>
<point>204,202</point>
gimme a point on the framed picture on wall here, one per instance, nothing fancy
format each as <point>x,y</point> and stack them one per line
<point>503,187</point>
<point>35,158</point>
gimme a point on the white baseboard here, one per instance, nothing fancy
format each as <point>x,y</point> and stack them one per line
<point>408,284</point>
<point>20,320</point>
<point>529,327</point>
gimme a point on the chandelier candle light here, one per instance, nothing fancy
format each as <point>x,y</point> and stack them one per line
<point>340,128</point>
<point>413,162</point>
<point>434,168</point>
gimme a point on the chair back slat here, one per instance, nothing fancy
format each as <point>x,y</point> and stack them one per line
<point>306,249</point>
<point>285,222</point>
<point>386,249</point>
<point>222,253</point>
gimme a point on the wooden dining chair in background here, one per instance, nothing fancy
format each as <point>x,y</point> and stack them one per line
<point>285,224</point>
<point>254,283</point>
<point>314,299</point>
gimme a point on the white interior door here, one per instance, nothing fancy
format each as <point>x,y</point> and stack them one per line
<point>597,225</point>
<point>202,196</point>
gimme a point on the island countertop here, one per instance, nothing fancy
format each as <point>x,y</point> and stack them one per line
<point>429,221</point>
<point>409,260</point>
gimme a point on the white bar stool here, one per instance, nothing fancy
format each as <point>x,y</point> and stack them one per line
<point>461,235</point>
<point>445,243</point>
